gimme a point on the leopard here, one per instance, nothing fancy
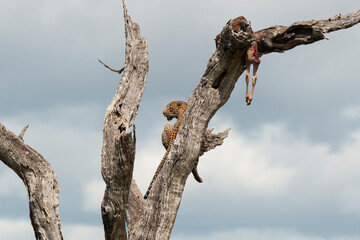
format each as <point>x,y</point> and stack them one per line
<point>175,109</point>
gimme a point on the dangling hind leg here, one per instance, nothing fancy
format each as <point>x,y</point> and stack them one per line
<point>254,78</point>
<point>247,79</point>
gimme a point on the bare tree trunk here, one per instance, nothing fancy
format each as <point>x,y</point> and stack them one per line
<point>40,181</point>
<point>124,211</point>
<point>118,151</point>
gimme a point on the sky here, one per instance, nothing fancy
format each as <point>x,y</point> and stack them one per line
<point>289,168</point>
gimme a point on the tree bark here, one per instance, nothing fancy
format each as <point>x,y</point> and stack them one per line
<point>40,181</point>
<point>283,38</point>
<point>118,151</point>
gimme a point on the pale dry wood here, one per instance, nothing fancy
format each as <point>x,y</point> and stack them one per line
<point>283,38</point>
<point>118,150</point>
<point>135,207</point>
<point>40,181</point>
<point>211,140</point>
<point>21,135</point>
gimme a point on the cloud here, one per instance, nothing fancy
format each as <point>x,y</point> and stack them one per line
<point>15,229</point>
<point>250,168</point>
<point>11,229</point>
<point>93,195</point>
<point>68,136</point>
<point>147,159</point>
<point>350,198</point>
<point>240,162</point>
<point>82,232</point>
<point>56,18</point>
<point>258,234</point>
<point>270,162</point>
<point>351,113</point>
<point>11,185</point>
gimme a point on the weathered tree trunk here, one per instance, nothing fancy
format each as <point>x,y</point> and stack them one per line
<point>40,181</point>
<point>118,151</point>
<point>124,211</point>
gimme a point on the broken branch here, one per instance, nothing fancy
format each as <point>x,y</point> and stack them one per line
<point>283,38</point>
<point>114,70</point>
<point>212,140</point>
<point>21,135</point>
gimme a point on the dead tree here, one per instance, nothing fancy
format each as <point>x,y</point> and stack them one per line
<point>126,215</point>
<point>40,181</point>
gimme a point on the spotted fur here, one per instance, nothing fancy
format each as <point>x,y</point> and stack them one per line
<point>175,109</point>
<point>166,137</point>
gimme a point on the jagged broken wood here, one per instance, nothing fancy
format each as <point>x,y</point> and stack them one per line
<point>211,140</point>
<point>283,38</point>
<point>21,135</point>
<point>118,150</point>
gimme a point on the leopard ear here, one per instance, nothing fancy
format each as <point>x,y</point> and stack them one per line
<point>179,104</point>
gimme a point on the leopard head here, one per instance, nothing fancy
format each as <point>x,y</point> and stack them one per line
<point>174,109</point>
